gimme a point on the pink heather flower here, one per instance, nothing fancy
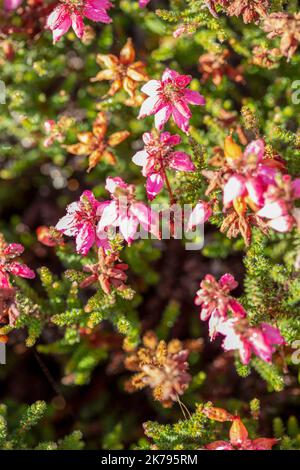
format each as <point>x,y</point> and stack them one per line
<point>7,266</point>
<point>239,335</point>
<point>11,4</point>
<point>278,203</point>
<point>125,212</point>
<point>215,300</point>
<point>81,221</point>
<point>157,156</point>
<point>143,3</point>
<point>71,13</point>
<point>250,175</point>
<point>261,185</point>
<point>199,215</point>
<point>170,96</point>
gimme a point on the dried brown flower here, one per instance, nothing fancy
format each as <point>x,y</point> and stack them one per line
<point>287,27</point>
<point>266,58</point>
<point>123,71</point>
<point>216,66</point>
<point>250,10</point>
<point>163,367</point>
<point>96,145</point>
<point>108,271</point>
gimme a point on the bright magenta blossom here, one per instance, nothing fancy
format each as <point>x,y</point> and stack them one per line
<point>7,266</point>
<point>143,3</point>
<point>125,212</point>
<point>170,97</point>
<point>81,221</point>
<point>240,336</point>
<point>11,4</point>
<point>157,156</point>
<point>71,13</point>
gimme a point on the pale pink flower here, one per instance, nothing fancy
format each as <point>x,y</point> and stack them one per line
<point>158,156</point>
<point>11,4</point>
<point>7,266</point>
<point>240,336</point>
<point>170,97</point>
<point>199,215</point>
<point>250,175</point>
<point>261,185</point>
<point>71,13</point>
<point>81,221</point>
<point>215,300</point>
<point>279,203</point>
<point>125,212</point>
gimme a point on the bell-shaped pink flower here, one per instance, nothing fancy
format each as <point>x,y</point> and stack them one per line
<point>199,215</point>
<point>81,221</point>
<point>158,156</point>
<point>125,212</point>
<point>240,336</point>
<point>170,97</point>
<point>278,204</point>
<point>214,299</point>
<point>249,177</point>
<point>7,266</point>
<point>69,13</point>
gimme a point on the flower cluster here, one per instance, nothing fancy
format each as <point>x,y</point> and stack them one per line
<point>250,10</point>
<point>70,13</point>
<point>158,156</point>
<point>287,27</point>
<point>123,211</point>
<point>256,191</point>
<point>170,97</point>
<point>160,366</point>
<point>9,266</point>
<point>227,317</point>
<point>89,220</point>
<point>81,222</point>
<point>9,311</point>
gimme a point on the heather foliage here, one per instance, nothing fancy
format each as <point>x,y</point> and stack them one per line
<point>107,108</point>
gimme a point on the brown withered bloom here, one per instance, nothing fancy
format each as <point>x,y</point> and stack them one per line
<point>122,71</point>
<point>108,271</point>
<point>96,145</point>
<point>160,366</point>
<point>240,223</point>
<point>266,58</point>
<point>250,10</point>
<point>287,27</point>
<point>216,66</point>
